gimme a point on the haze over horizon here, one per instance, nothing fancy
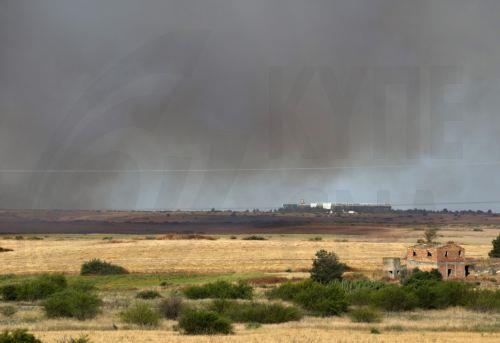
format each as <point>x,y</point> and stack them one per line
<point>196,104</point>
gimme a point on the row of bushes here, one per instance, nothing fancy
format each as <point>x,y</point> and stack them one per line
<point>59,299</point>
<point>424,290</point>
<point>214,317</point>
<point>220,290</point>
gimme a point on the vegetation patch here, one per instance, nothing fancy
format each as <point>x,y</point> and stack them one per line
<point>320,299</point>
<point>98,267</point>
<point>5,249</point>
<point>171,308</point>
<point>253,312</point>
<point>327,267</point>
<point>34,289</point>
<point>18,336</point>
<point>203,322</point>
<point>220,290</point>
<point>141,314</point>
<point>72,303</point>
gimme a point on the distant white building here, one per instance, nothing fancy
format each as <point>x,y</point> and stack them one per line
<point>314,204</point>
<point>327,205</point>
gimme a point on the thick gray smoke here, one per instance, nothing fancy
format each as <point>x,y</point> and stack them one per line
<point>153,104</point>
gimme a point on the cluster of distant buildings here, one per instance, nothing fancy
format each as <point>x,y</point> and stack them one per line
<point>335,207</point>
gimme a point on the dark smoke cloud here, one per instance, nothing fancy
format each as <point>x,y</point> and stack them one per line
<point>238,104</point>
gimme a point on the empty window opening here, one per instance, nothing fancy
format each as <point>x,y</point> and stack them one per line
<point>467,272</point>
<point>414,253</point>
<point>449,272</point>
<point>429,253</point>
<point>390,272</point>
<point>460,253</point>
<point>445,254</point>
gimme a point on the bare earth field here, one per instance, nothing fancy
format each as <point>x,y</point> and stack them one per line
<point>50,244</point>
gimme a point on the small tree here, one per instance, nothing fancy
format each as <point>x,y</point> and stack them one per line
<point>495,252</point>
<point>327,267</point>
<point>430,234</point>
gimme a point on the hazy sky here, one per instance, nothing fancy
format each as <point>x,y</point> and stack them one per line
<point>155,104</point>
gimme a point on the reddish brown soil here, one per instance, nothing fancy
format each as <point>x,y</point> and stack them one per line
<point>134,222</point>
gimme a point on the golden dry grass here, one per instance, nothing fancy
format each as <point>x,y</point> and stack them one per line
<point>431,326</point>
<point>222,255</point>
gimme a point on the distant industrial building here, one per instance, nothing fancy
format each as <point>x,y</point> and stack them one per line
<point>336,208</point>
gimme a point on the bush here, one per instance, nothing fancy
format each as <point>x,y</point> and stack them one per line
<point>452,293</point>
<point>417,276</point>
<point>72,303</point>
<point>8,311</point>
<point>221,290</point>
<point>30,290</point>
<point>18,336</point>
<point>9,292</point>
<point>362,296</point>
<point>251,312</point>
<point>202,322</point>
<point>365,315</point>
<point>141,314</point>
<point>327,267</point>
<point>98,267</point>
<point>484,301</point>
<point>395,298</point>
<point>254,238</point>
<point>324,300</point>
<point>171,308</point>
<point>148,295</point>
<point>495,251</point>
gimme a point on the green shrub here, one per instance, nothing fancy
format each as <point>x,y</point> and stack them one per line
<point>171,308</point>
<point>495,251</point>
<point>221,290</point>
<point>286,291</point>
<point>8,311</point>
<point>35,289</point>
<point>417,276</point>
<point>141,314</point>
<point>484,300</point>
<point>452,293</point>
<point>324,300</point>
<point>374,331</point>
<point>365,315</point>
<point>98,267</point>
<point>72,303</point>
<point>18,336</point>
<point>395,298</point>
<point>254,238</point>
<point>362,296</point>
<point>252,312</point>
<point>327,267</point>
<point>202,322</point>
<point>148,295</point>
<point>9,292</point>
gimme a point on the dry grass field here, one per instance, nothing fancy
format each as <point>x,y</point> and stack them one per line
<point>225,255</point>
<point>276,254</point>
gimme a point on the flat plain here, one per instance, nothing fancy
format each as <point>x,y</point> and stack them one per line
<point>167,262</point>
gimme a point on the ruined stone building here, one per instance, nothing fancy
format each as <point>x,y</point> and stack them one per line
<point>448,258</point>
